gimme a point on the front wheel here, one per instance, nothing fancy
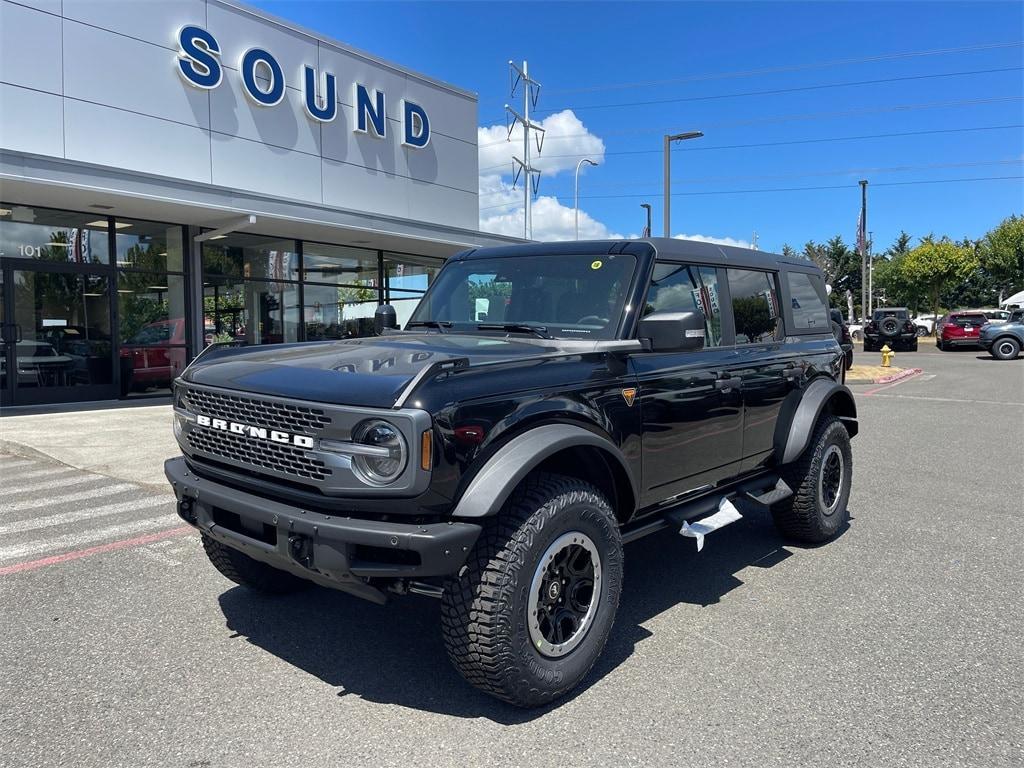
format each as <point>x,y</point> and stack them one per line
<point>530,612</point>
<point>1006,348</point>
<point>821,480</point>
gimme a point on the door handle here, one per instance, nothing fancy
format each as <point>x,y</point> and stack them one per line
<point>794,374</point>
<point>17,333</point>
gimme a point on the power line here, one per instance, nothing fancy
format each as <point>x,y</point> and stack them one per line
<point>797,117</point>
<point>792,189</point>
<point>812,174</point>
<point>823,140</point>
<point>776,91</point>
<point>788,68</point>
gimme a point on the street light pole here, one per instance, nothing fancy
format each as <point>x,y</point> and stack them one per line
<point>871,273</point>
<point>668,174</point>
<point>647,229</point>
<point>576,199</point>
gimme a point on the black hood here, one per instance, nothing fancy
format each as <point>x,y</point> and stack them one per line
<point>370,372</point>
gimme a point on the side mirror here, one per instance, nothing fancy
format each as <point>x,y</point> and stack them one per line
<point>672,331</point>
<point>384,317</point>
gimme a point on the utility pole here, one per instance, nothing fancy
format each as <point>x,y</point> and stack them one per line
<point>862,230</point>
<point>871,272</point>
<point>531,180</point>
<point>647,229</point>
<point>668,174</point>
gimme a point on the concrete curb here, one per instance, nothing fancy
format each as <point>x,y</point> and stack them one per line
<point>904,374</point>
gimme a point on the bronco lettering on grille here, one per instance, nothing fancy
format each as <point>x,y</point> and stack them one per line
<point>259,433</point>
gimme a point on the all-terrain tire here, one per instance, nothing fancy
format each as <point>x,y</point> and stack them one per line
<point>806,515</point>
<point>1005,348</point>
<point>242,569</point>
<point>485,608</point>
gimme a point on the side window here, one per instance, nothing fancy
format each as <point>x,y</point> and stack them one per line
<point>686,288</point>
<point>755,306</point>
<point>809,311</point>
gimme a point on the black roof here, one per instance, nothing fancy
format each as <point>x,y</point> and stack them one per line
<point>664,247</point>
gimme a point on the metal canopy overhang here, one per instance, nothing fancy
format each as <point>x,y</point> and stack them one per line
<point>56,183</point>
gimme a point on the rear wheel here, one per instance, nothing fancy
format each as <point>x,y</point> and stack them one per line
<point>820,480</point>
<point>1006,348</point>
<point>530,612</point>
<point>242,569</point>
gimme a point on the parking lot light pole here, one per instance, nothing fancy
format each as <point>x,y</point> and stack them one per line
<point>668,174</point>
<point>576,198</point>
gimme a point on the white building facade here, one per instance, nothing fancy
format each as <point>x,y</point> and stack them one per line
<point>176,172</point>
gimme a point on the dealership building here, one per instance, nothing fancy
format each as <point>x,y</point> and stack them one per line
<point>181,172</point>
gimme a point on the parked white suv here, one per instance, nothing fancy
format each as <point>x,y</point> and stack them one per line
<point>925,324</point>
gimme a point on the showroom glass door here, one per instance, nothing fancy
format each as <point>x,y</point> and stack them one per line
<point>56,334</point>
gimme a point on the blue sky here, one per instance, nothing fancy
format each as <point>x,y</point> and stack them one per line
<point>584,53</point>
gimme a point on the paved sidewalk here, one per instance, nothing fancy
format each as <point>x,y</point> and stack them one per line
<point>128,443</point>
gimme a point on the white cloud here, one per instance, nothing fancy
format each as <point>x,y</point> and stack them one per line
<point>551,219</point>
<point>716,240</point>
<point>566,140</point>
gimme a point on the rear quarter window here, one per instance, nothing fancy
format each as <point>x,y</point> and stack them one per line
<point>808,302</point>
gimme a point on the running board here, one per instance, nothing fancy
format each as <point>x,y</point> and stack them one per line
<point>726,514</point>
<point>752,495</point>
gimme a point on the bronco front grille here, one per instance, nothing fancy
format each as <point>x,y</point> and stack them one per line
<point>281,458</point>
<point>257,412</point>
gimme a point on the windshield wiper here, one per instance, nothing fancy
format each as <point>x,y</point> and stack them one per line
<point>439,324</point>
<point>539,330</point>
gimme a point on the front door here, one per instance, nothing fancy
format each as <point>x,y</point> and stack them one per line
<point>57,344</point>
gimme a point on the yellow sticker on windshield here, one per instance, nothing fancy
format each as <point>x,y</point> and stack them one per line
<point>596,264</point>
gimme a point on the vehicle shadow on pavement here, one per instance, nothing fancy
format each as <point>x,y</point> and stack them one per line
<point>394,654</point>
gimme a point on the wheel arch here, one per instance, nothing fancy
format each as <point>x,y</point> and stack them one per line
<point>565,449</point>
<point>801,412</point>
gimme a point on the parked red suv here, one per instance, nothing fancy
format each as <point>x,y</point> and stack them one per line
<point>959,329</point>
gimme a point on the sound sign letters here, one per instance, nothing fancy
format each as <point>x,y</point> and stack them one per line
<point>263,81</point>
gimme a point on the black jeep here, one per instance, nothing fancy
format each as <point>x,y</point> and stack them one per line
<point>892,326</point>
<point>543,405</point>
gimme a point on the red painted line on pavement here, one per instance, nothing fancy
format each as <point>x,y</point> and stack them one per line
<point>78,554</point>
<point>905,376</point>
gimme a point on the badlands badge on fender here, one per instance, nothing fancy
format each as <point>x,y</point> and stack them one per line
<point>629,395</point>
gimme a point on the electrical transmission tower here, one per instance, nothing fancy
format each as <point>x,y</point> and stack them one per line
<point>531,175</point>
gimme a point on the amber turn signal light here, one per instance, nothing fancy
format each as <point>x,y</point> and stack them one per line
<point>426,450</point>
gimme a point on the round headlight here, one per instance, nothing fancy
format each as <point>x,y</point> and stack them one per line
<point>386,464</point>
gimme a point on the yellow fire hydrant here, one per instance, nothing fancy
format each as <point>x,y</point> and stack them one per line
<point>887,355</point>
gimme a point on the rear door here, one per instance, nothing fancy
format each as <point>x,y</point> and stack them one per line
<point>765,366</point>
<point>692,416</point>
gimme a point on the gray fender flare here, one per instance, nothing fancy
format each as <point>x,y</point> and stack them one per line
<point>800,414</point>
<point>492,485</point>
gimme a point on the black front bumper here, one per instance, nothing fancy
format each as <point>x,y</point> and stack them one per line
<point>339,552</point>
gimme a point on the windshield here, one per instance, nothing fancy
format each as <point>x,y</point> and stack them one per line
<point>568,296</point>
<point>902,314</point>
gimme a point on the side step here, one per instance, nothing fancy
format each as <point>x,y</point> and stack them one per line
<point>726,514</point>
<point>699,516</point>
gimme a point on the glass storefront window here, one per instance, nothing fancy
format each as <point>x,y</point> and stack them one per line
<point>339,264</point>
<point>64,322</point>
<point>250,311</point>
<point>251,257</point>
<point>152,328</point>
<point>338,311</point>
<point>50,235</point>
<point>409,273</point>
<point>146,245</point>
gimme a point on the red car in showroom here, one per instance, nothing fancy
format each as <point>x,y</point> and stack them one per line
<point>959,329</point>
<point>157,354</point>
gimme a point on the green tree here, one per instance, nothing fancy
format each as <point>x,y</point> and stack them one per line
<point>935,266</point>
<point>1002,255</point>
<point>840,265</point>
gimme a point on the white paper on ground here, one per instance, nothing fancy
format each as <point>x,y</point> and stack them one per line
<point>727,513</point>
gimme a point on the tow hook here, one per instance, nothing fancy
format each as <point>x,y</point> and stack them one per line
<point>301,550</point>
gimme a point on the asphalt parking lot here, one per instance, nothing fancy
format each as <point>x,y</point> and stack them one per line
<point>900,643</point>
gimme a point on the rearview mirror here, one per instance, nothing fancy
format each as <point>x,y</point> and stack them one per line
<point>672,331</point>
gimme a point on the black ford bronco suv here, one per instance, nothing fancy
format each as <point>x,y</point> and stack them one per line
<point>543,405</point>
